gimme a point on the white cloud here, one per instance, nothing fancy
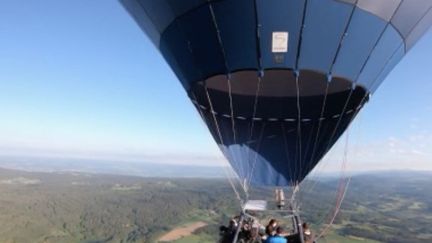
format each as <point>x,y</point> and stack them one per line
<point>393,153</point>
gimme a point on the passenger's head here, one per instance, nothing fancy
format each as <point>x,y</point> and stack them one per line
<point>279,230</point>
<point>246,226</point>
<point>254,231</point>
<point>306,229</point>
<point>232,223</point>
<point>273,222</point>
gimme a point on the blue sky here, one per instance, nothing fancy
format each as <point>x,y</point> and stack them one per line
<point>79,78</point>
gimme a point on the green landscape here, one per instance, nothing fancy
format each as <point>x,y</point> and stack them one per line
<point>90,208</point>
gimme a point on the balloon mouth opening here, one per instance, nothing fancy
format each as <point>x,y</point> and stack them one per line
<point>277,83</point>
<point>277,95</point>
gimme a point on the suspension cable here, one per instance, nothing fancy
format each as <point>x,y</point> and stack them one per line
<point>221,140</point>
<point>256,155</point>
<point>225,168</point>
<point>329,78</point>
<point>260,75</point>
<point>342,189</point>
<point>228,75</point>
<point>287,153</point>
<point>297,74</point>
<point>299,129</point>
<point>252,129</point>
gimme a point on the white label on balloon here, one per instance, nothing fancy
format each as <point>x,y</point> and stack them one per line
<point>280,42</point>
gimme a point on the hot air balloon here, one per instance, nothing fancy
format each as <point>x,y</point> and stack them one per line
<point>279,81</point>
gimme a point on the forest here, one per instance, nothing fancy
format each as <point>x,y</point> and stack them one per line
<point>89,208</point>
